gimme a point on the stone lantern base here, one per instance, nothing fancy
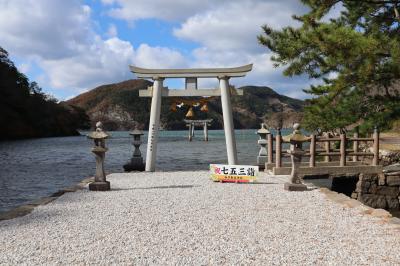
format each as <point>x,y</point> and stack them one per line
<point>295,187</point>
<point>99,186</point>
<point>129,167</point>
<point>136,164</point>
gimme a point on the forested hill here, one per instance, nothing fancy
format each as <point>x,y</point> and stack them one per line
<point>26,112</point>
<point>119,107</point>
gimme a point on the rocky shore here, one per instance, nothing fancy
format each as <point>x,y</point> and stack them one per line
<point>379,190</point>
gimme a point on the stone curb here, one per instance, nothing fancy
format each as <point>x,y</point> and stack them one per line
<point>348,202</point>
<point>28,208</point>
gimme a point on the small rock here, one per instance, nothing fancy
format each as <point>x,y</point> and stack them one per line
<point>394,220</point>
<point>367,211</point>
<point>368,177</point>
<point>352,203</point>
<point>387,191</point>
<point>362,186</point>
<point>374,201</point>
<point>393,180</point>
<point>392,203</point>
<point>382,179</point>
<point>373,188</point>
<point>381,213</point>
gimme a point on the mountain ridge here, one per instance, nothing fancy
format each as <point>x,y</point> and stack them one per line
<point>119,107</point>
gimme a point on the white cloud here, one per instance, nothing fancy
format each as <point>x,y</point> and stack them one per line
<point>103,61</point>
<point>112,31</point>
<point>60,37</point>
<point>158,57</point>
<point>45,28</point>
<point>160,9</point>
<point>227,35</point>
<point>108,61</point>
<point>235,25</point>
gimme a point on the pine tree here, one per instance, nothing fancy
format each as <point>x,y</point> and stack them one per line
<point>356,56</point>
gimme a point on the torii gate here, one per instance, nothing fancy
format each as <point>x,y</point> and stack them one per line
<point>190,75</point>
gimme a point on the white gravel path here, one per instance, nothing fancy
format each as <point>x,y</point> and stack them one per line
<point>184,218</point>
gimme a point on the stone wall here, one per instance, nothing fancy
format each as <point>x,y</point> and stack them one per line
<point>379,190</point>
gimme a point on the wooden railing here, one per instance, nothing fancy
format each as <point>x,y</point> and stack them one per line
<point>327,152</point>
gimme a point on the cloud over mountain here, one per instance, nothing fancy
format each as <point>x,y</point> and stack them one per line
<point>62,39</point>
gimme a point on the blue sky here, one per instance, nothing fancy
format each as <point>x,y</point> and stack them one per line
<point>72,46</point>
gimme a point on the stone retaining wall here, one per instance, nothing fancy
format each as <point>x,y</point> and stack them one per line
<point>379,190</point>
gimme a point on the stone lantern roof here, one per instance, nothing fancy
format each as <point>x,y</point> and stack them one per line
<point>296,136</point>
<point>263,130</point>
<point>136,132</point>
<point>99,133</point>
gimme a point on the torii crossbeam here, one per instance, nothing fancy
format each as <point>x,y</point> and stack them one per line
<point>191,76</point>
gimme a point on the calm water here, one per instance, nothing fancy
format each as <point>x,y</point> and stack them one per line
<point>30,169</point>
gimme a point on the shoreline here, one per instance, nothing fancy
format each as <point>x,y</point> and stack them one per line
<point>27,208</point>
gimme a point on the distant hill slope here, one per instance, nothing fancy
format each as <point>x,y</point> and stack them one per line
<point>120,107</point>
<point>27,112</point>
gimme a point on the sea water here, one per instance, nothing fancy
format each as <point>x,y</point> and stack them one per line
<point>34,168</point>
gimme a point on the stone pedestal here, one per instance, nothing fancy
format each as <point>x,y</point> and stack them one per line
<point>294,187</point>
<point>136,162</point>
<point>295,156</point>
<point>295,182</point>
<point>262,154</point>
<point>100,183</point>
<point>99,186</point>
<point>296,153</point>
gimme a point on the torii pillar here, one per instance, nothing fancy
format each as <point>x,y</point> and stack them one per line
<point>154,125</point>
<point>228,120</point>
<point>157,91</point>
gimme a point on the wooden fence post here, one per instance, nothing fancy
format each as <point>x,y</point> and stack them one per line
<point>312,151</point>
<point>375,160</point>
<point>355,145</point>
<point>342,149</point>
<point>278,149</point>
<point>270,148</point>
<point>327,148</point>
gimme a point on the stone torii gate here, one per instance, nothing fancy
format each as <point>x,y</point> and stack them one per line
<point>191,76</point>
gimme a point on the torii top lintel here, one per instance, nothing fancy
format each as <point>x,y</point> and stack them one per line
<point>192,73</point>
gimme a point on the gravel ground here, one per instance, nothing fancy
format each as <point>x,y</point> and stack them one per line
<point>184,218</point>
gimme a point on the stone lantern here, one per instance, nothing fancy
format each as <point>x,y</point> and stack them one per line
<point>136,162</point>
<point>100,183</point>
<point>296,152</point>
<point>262,155</point>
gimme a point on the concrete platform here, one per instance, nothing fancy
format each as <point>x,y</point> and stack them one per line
<point>367,169</point>
<point>270,166</point>
<point>183,218</point>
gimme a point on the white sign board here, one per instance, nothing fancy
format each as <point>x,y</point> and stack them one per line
<point>233,173</point>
